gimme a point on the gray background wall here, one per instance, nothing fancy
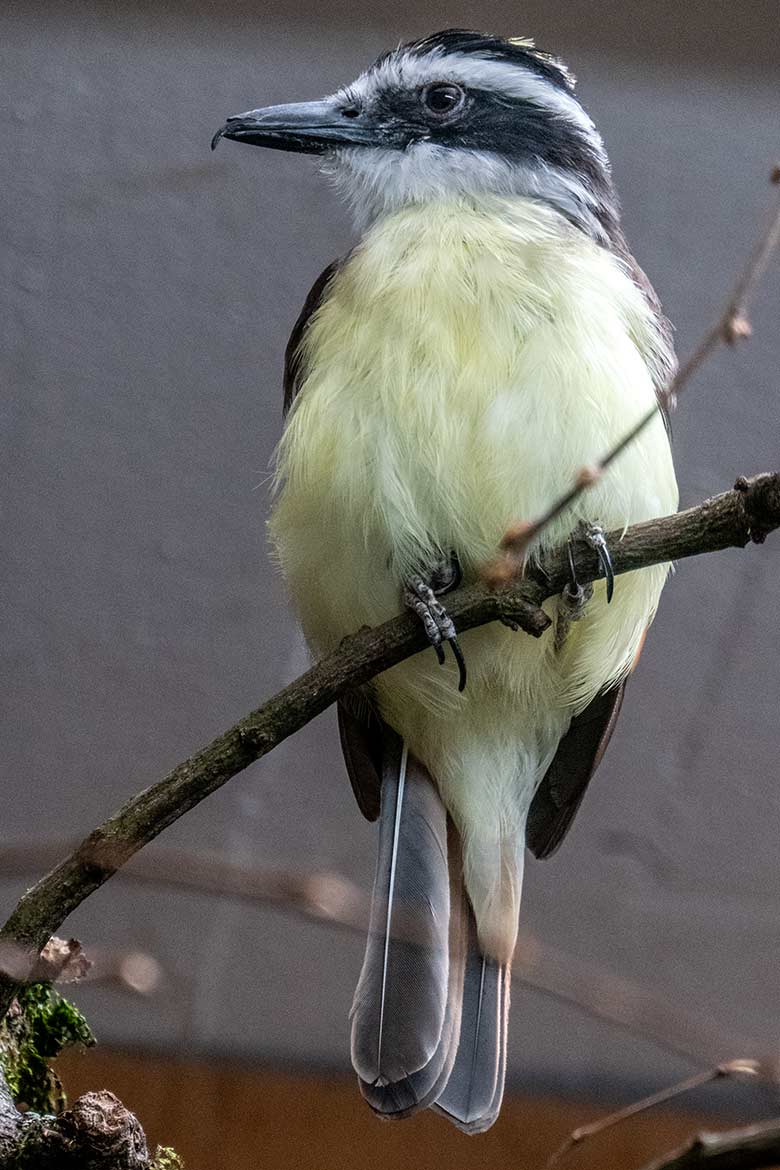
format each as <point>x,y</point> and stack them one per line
<point>149,287</point>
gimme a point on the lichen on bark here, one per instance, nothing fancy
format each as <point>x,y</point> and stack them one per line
<point>166,1159</point>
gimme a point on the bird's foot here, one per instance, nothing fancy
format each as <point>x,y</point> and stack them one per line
<point>422,598</point>
<point>573,599</point>
<point>593,534</point>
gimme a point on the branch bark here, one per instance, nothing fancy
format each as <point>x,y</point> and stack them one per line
<point>748,1148</point>
<point>747,513</point>
<point>97,1133</point>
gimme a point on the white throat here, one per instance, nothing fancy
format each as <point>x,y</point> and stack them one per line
<point>376,182</point>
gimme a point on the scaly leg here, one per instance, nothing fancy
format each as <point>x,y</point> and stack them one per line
<point>422,597</point>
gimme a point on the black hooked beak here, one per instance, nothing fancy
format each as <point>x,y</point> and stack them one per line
<point>308,127</point>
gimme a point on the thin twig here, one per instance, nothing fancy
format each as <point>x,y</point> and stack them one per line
<point>731,1069</point>
<point>749,1148</point>
<point>621,1003</point>
<point>732,326</point>
<point>332,899</point>
<point>748,512</point>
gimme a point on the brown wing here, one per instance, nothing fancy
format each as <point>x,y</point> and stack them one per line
<point>579,754</point>
<point>362,735</point>
<point>558,797</point>
<point>293,366</point>
<point>581,750</point>
<point>361,730</point>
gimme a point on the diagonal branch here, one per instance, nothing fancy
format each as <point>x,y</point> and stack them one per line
<point>748,1148</point>
<point>749,512</point>
<point>729,1069</point>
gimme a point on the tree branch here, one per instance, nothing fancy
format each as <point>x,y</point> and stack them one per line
<point>749,512</point>
<point>97,1132</point>
<point>748,1148</point>
<point>729,1069</point>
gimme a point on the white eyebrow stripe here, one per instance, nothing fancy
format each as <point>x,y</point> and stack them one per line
<point>411,69</point>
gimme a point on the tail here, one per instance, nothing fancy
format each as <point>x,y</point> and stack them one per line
<point>429,1014</point>
<point>472,1097</point>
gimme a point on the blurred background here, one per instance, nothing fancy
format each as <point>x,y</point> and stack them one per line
<point>149,289</point>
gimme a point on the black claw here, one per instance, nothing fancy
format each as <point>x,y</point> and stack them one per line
<point>574,583</point>
<point>609,573</point>
<point>594,535</point>
<point>461,661</point>
<point>421,597</point>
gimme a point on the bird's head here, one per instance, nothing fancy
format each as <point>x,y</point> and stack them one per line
<point>457,114</point>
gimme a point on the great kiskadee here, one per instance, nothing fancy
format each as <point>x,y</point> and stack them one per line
<point>488,335</point>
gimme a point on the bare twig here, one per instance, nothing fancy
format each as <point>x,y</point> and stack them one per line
<point>332,899</point>
<point>731,1069</point>
<point>749,1148</point>
<point>324,896</point>
<point>621,1003</point>
<point>733,519</point>
<point>732,326</point>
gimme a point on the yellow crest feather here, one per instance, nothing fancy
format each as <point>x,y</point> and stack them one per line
<point>529,45</point>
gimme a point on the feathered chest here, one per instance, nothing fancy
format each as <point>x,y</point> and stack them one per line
<point>464,364</point>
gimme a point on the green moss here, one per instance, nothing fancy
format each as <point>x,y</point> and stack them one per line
<point>39,1025</point>
<point>166,1159</point>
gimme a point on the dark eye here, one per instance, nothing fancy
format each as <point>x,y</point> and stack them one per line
<point>443,98</point>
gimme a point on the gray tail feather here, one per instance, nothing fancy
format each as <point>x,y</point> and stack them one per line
<point>406,1015</point>
<point>429,1017</point>
<point>471,1098</point>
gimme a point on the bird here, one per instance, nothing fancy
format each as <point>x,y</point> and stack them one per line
<point>487,336</point>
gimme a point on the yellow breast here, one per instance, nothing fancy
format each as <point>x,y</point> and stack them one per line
<point>466,362</point>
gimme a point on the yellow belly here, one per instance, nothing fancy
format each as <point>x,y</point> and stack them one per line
<point>466,362</point>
